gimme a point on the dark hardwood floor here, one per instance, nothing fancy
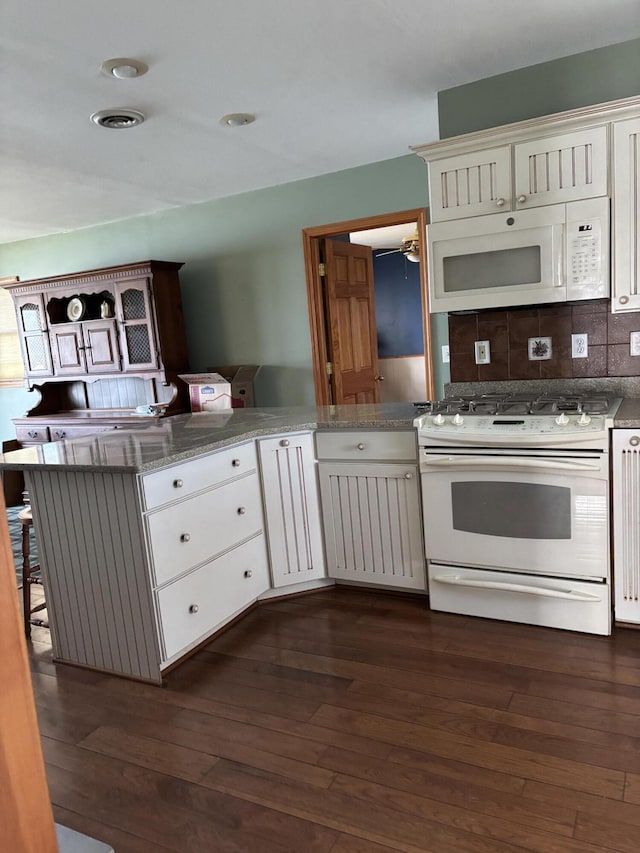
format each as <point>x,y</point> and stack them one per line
<point>355,722</point>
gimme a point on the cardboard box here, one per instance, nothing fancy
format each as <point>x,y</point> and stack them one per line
<point>241,377</point>
<point>207,391</point>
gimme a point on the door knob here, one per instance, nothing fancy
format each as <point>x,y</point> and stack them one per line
<point>378,378</point>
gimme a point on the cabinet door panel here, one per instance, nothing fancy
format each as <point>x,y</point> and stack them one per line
<point>626,523</point>
<point>101,347</point>
<point>292,510</point>
<point>372,524</point>
<point>68,349</point>
<point>470,184</point>
<point>566,167</point>
<point>625,287</point>
<point>137,338</point>
<point>34,338</point>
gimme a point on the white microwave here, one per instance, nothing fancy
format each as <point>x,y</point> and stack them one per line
<point>558,253</point>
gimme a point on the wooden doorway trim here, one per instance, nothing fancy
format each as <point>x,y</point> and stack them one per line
<point>311,248</point>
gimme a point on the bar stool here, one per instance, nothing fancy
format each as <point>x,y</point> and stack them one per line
<point>30,575</point>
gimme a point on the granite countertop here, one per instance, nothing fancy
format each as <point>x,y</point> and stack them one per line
<point>628,415</point>
<point>157,442</point>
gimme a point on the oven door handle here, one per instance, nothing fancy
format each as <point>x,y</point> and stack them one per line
<point>494,462</point>
<point>544,591</point>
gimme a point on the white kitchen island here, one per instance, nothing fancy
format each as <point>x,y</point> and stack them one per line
<point>153,539</point>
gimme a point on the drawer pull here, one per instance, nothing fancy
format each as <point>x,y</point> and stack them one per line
<point>60,433</point>
<point>178,484</point>
<point>408,476</point>
<point>235,463</point>
<point>33,433</point>
<point>361,446</point>
<point>186,537</point>
<point>241,510</point>
<point>193,608</point>
<point>284,443</point>
<point>248,573</point>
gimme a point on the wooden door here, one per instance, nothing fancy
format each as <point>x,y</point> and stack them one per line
<point>351,322</point>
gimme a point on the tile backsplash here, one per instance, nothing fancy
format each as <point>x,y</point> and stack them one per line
<point>509,330</point>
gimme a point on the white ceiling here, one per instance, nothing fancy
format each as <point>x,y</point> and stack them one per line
<point>334,84</point>
<point>388,237</point>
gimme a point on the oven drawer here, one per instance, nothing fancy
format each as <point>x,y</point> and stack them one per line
<point>530,599</point>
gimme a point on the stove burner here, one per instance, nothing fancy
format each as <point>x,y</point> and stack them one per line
<point>516,404</point>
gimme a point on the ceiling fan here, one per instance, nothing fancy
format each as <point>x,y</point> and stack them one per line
<point>409,246</point>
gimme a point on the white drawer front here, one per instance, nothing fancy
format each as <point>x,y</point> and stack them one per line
<point>381,445</point>
<point>193,531</point>
<point>179,481</point>
<point>195,605</point>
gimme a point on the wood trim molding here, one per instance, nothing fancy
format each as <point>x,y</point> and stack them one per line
<point>311,252</point>
<point>26,817</point>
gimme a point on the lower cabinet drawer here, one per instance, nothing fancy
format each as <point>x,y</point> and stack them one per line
<point>31,434</point>
<point>185,534</point>
<point>381,445</point>
<point>58,433</point>
<point>198,603</point>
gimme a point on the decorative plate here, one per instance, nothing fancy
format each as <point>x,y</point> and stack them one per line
<point>76,309</point>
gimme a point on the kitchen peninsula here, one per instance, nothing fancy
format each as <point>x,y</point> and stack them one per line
<point>154,538</point>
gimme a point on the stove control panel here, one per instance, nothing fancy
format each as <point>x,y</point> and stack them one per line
<point>526,426</point>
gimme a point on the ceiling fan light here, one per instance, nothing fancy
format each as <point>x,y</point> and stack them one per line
<point>413,255</point>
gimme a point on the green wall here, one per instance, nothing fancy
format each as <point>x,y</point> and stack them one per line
<point>593,77</point>
<point>243,281</point>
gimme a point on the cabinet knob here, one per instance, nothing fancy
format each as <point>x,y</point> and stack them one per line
<point>241,510</point>
<point>521,199</point>
<point>60,433</point>
<point>623,300</point>
<point>361,446</point>
<point>193,608</point>
<point>186,537</point>
<point>500,202</point>
<point>248,573</point>
<point>32,433</point>
<point>235,463</point>
<point>378,378</point>
<point>634,441</point>
<point>408,476</point>
<point>178,484</point>
<point>284,443</point>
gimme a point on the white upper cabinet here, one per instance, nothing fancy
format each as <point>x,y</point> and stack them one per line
<point>560,168</point>
<point>532,173</point>
<point>470,184</point>
<point>625,287</point>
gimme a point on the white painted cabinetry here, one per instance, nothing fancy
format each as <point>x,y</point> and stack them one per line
<point>626,524</point>
<point>625,286</point>
<point>531,173</point>
<point>371,507</point>
<point>292,510</point>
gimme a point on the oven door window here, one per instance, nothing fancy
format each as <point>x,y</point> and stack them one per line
<point>512,510</point>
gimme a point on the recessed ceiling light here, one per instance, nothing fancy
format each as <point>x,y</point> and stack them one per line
<point>237,119</point>
<point>117,119</point>
<point>123,68</point>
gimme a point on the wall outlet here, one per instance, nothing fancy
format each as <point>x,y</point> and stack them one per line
<point>445,353</point>
<point>634,343</point>
<point>483,352</point>
<point>580,345</point>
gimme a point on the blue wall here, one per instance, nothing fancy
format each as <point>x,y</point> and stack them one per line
<point>398,305</point>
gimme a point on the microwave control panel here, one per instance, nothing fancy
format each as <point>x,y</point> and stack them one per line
<point>584,243</point>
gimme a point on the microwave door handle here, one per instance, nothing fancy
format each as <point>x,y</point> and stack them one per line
<point>504,586</point>
<point>493,462</point>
